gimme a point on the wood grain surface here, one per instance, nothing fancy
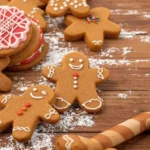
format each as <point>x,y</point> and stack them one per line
<point>127,93</point>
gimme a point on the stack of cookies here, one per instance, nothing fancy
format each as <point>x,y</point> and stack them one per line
<point>22,43</point>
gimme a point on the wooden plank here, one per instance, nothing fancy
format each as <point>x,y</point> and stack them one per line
<point>138,143</point>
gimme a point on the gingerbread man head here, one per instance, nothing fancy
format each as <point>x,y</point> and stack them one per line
<point>75,62</point>
<point>41,92</point>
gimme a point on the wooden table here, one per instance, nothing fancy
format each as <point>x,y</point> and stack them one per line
<point>126,94</point>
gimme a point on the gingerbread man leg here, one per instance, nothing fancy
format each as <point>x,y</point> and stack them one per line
<point>49,114</point>
<point>90,101</point>
<point>63,100</point>
<point>6,83</point>
<point>94,41</point>
<point>22,130</point>
<point>5,120</point>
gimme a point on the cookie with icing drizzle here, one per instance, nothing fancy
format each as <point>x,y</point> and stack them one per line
<point>76,81</point>
<point>57,8</point>
<point>15,30</point>
<point>92,29</point>
<point>33,10</point>
<point>24,112</point>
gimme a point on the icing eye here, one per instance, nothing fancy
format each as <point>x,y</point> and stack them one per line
<point>80,60</point>
<point>34,89</point>
<point>44,93</point>
<point>71,59</point>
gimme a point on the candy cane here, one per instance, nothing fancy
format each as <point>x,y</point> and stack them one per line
<point>107,139</point>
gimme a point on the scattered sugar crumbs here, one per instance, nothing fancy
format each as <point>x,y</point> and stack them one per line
<point>69,121</point>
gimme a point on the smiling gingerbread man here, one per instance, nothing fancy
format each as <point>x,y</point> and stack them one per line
<point>24,112</point>
<point>76,81</point>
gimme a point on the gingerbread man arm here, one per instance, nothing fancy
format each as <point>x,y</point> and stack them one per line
<point>100,74</point>
<point>4,99</point>
<point>109,138</point>
<point>49,114</point>
<point>111,29</point>
<point>52,73</point>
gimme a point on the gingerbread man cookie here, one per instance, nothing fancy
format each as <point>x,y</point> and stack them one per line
<point>92,29</point>
<point>78,8</point>
<point>5,82</point>
<point>109,138</point>
<point>76,81</point>
<point>31,8</point>
<point>24,112</point>
<point>3,2</point>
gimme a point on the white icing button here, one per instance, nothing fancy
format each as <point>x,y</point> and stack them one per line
<point>34,89</point>
<point>75,78</point>
<point>75,86</point>
<point>55,8</point>
<point>44,93</point>
<point>71,60</point>
<point>75,82</point>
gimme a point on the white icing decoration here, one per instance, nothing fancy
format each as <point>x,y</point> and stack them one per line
<point>17,19</point>
<point>73,3</point>
<point>81,60</point>
<point>17,128</point>
<point>35,89</point>
<point>51,112</point>
<point>71,59</point>
<point>44,93</point>
<point>61,99</point>
<point>97,42</point>
<point>69,142</point>
<point>90,101</point>
<point>100,73</point>
<point>6,98</point>
<point>51,72</point>
<point>76,67</point>
<point>36,97</point>
<point>75,86</point>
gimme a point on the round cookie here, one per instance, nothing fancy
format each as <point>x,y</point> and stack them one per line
<point>78,8</point>
<point>37,38</point>
<point>26,111</point>
<point>15,30</point>
<point>32,60</point>
<point>5,82</point>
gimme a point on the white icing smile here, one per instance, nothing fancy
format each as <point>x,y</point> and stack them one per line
<point>76,67</point>
<point>36,97</point>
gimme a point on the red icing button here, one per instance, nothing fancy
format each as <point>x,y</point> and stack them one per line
<point>28,104</point>
<point>75,74</point>
<point>20,113</point>
<point>24,108</point>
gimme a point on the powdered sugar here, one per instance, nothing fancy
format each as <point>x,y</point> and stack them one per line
<point>122,96</point>
<point>71,119</point>
<point>38,141</point>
